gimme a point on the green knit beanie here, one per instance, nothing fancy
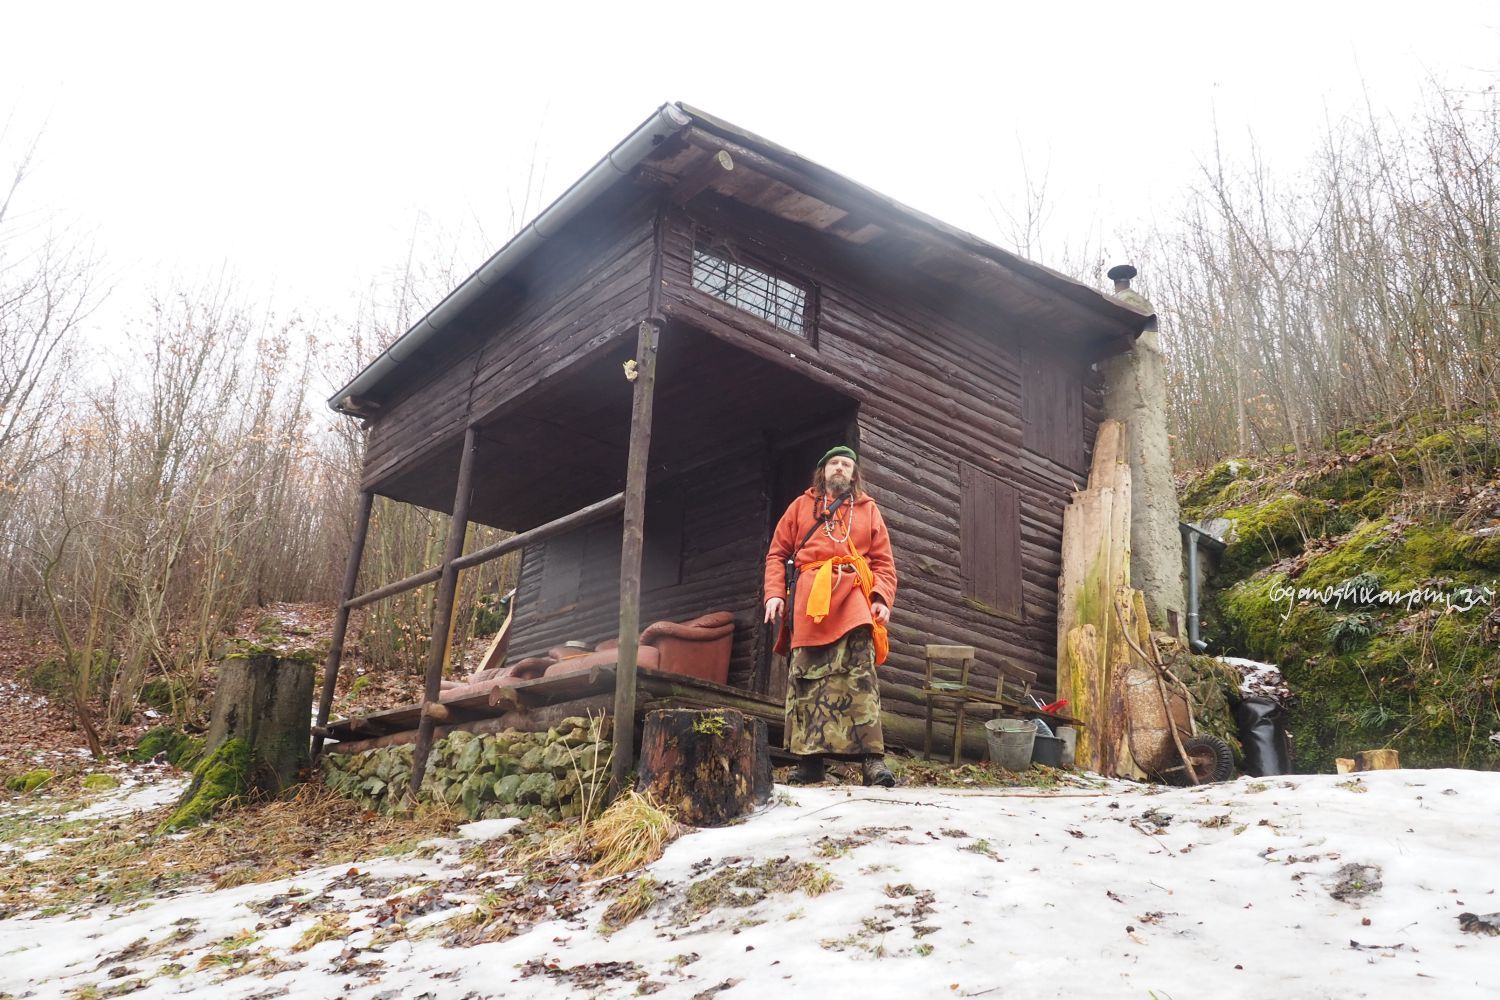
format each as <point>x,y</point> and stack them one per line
<point>843,450</point>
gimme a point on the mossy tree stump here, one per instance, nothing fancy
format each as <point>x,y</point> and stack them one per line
<point>706,766</point>
<point>260,735</point>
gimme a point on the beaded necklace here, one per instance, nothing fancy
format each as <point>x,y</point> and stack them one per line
<point>829,524</point>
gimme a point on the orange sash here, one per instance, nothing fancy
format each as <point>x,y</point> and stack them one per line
<point>820,598</point>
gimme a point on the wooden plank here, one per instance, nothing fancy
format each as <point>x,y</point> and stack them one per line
<point>631,548</point>
<point>940,652</point>
<point>713,168</point>
<point>1095,563</point>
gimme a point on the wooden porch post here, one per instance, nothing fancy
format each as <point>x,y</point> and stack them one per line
<point>442,611</point>
<point>341,618</point>
<point>630,553</point>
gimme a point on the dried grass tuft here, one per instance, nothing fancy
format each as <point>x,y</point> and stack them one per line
<point>630,834</point>
<point>329,926</point>
<point>637,898</point>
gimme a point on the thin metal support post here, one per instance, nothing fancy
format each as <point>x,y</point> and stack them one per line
<point>341,618</point>
<point>631,546</point>
<point>442,610</point>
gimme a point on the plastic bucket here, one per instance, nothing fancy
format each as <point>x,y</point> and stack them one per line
<point>1010,747</point>
<point>1069,736</point>
<point>1047,750</point>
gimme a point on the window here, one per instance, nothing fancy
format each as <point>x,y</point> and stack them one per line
<point>759,293</point>
<point>990,543</point>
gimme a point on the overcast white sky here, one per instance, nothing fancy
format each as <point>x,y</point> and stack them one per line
<point>298,144</point>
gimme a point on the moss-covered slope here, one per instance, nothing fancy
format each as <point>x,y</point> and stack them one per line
<point>1369,574</point>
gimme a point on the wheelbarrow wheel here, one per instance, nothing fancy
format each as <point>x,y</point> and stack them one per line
<point>1210,758</point>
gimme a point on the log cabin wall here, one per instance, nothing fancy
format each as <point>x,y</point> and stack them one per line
<point>940,387</point>
<point>705,551</point>
<point>581,292</point>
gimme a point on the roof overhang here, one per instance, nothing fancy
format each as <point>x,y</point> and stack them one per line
<point>676,148</point>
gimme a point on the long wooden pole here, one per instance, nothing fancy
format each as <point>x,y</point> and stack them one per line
<point>631,546</point>
<point>587,515</point>
<point>442,610</point>
<point>341,617</point>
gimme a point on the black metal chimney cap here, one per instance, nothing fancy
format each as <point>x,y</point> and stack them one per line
<point>1121,272</point>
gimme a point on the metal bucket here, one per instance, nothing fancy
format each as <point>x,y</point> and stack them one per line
<point>1010,742</point>
<point>1047,750</point>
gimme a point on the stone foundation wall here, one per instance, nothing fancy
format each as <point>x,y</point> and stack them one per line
<point>489,776</point>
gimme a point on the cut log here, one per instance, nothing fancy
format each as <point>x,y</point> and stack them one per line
<point>1345,765</point>
<point>708,767</point>
<point>1377,760</point>
<point>259,738</point>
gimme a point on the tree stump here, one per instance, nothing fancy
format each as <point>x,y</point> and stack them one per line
<point>706,766</point>
<point>260,735</point>
<point>1377,760</point>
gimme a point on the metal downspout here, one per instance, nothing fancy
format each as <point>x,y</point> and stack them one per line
<point>1197,644</point>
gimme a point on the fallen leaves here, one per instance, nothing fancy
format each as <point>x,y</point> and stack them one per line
<point>1473,923</point>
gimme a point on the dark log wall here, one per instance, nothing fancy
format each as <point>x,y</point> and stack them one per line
<point>577,294</point>
<point>723,510</point>
<point>935,391</point>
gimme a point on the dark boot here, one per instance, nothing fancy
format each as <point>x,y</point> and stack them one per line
<point>875,771</point>
<point>809,771</point>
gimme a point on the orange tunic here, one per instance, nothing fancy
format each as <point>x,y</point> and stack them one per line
<point>847,607</point>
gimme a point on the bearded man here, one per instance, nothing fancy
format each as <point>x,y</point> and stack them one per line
<point>840,552</point>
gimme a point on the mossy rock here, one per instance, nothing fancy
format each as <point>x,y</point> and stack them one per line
<point>221,777</point>
<point>175,746</point>
<point>539,789</point>
<point>1208,489</point>
<point>531,760</point>
<point>507,787</point>
<point>1266,532</point>
<point>1355,482</point>
<point>100,782</point>
<point>1418,681</point>
<point>29,781</point>
<point>557,757</point>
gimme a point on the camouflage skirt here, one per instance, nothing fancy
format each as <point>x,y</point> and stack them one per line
<point>833,698</point>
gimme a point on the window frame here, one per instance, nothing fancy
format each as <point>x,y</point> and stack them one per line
<point>732,252</point>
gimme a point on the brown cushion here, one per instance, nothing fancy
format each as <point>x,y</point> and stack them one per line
<point>648,657</point>
<point>707,628</point>
<point>532,666</point>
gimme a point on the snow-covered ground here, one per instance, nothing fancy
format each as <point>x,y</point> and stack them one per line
<point>1298,887</point>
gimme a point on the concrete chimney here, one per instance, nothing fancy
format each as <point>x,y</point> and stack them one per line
<point>1135,392</point>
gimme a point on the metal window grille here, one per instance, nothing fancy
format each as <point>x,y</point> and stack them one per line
<point>773,299</point>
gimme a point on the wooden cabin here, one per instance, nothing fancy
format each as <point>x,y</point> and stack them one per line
<point>785,309</point>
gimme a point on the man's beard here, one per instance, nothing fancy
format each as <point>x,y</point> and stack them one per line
<point>838,484</point>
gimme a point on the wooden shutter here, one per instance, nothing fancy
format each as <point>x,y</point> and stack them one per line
<point>990,543</point>
<point>1052,408</point>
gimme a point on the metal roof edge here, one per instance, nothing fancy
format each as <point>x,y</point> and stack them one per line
<point>1056,281</point>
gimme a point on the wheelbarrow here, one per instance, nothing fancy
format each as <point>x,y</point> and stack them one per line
<point>1160,730</point>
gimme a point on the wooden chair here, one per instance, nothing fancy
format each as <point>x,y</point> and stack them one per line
<point>948,688</point>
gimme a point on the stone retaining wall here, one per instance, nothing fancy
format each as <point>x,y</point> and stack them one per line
<point>489,776</point>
